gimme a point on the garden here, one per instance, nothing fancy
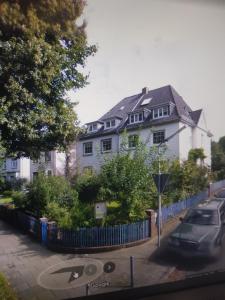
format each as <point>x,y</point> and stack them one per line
<point>124,183</point>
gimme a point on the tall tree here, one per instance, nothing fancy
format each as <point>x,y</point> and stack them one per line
<point>42,50</point>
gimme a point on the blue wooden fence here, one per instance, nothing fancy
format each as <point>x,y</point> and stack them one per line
<point>100,236</point>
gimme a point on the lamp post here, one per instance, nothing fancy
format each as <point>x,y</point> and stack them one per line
<point>159,217</point>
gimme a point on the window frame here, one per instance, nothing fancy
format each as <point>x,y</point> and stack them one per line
<point>161,112</point>
<point>48,156</point>
<point>158,132</point>
<point>136,118</point>
<point>84,148</point>
<point>102,145</point>
<point>135,141</point>
<point>14,164</point>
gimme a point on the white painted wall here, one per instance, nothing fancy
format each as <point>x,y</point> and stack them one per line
<point>60,164</point>
<point>22,170</point>
<point>97,158</point>
<point>185,141</point>
<point>202,140</point>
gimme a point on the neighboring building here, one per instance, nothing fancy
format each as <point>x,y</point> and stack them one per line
<point>51,163</point>
<point>151,116</point>
<point>16,168</point>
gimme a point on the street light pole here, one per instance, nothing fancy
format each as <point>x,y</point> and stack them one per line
<point>159,217</point>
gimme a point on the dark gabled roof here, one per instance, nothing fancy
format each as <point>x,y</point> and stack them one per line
<point>166,95</point>
<point>195,115</point>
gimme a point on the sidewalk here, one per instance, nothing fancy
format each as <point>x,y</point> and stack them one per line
<point>23,261</point>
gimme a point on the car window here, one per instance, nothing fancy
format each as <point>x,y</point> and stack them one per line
<point>202,217</point>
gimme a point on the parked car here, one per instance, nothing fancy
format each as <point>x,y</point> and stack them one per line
<point>220,194</point>
<point>201,231</point>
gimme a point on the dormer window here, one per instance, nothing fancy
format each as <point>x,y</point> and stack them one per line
<point>92,127</point>
<point>136,118</point>
<point>110,123</point>
<point>160,112</point>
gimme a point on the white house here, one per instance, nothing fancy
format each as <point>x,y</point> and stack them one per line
<point>51,163</point>
<point>152,116</point>
<point>16,168</point>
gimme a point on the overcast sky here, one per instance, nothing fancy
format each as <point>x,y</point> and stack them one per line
<point>155,43</point>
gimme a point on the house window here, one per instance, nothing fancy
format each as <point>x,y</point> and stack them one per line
<point>92,127</point>
<point>133,140</point>
<point>49,173</point>
<point>14,163</point>
<point>136,118</point>
<point>160,112</point>
<point>106,145</point>
<point>87,148</point>
<point>111,123</point>
<point>47,156</point>
<point>158,137</point>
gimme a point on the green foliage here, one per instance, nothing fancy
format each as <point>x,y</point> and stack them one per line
<point>54,212</point>
<point>127,179</point>
<point>185,179</point>
<point>82,215</point>
<point>6,291</point>
<point>87,186</point>
<point>41,59</point>
<point>45,189</point>
<point>19,199</point>
<point>218,159</point>
<point>196,154</point>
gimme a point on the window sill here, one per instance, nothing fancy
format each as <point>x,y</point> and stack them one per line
<point>107,151</point>
<point>89,154</point>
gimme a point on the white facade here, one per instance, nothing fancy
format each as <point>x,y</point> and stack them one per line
<point>16,168</point>
<point>177,148</point>
<point>51,163</point>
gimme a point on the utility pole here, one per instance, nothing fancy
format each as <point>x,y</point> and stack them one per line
<point>159,217</point>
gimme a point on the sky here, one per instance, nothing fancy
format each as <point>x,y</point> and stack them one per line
<point>154,43</point>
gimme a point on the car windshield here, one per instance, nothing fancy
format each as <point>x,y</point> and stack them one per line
<point>202,217</point>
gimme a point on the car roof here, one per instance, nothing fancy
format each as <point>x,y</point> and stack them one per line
<point>210,204</point>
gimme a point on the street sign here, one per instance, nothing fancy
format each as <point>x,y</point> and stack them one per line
<point>160,181</point>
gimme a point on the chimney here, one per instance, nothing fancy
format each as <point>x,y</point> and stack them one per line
<point>145,90</point>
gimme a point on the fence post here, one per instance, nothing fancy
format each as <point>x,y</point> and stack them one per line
<point>52,231</point>
<point>132,271</point>
<point>44,227</point>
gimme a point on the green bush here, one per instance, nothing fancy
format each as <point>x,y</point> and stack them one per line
<point>44,190</point>
<point>88,187</point>
<point>7,193</point>
<point>19,199</point>
<point>61,215</point>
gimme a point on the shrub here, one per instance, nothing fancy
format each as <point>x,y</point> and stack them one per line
<point>19,199</point>
<point>61,215</point>
<point>44,190</point>
<point>87,187</point>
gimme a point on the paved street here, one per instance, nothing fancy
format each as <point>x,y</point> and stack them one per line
<point>35,272</point>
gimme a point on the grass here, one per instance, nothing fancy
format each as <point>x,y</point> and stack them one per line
<point>6,291</point>
<point>5,200</point>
